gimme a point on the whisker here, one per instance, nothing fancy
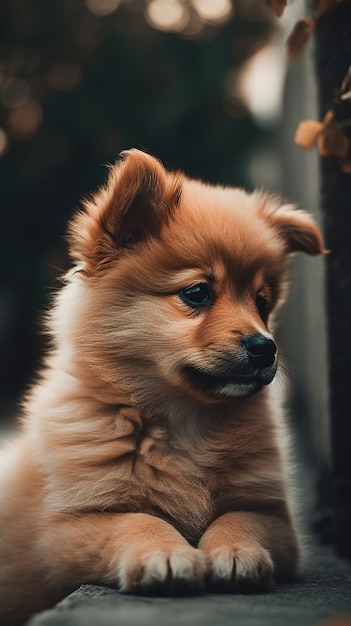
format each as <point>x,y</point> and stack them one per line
<point>288,375</point>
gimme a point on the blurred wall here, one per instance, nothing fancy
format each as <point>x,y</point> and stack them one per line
<point>305,318</point>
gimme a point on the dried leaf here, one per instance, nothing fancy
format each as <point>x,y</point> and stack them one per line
<point>299,37</point>
<point>278,6</point>
<point>346,86</point>
<point>333,142</point>
<point>307,133</point>
<point>329,116</point>
<point>346,96</point>
<point>325,6</point>
<point>345,164</point>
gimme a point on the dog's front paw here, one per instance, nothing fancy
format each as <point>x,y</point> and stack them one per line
<point>161,570</point>
<point>240,568</point>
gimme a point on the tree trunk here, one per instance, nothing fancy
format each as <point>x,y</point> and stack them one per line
<point>333,57</point>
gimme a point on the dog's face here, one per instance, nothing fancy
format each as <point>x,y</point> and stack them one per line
<point>178,282</point>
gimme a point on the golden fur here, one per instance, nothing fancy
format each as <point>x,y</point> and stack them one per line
<point>130,469</point>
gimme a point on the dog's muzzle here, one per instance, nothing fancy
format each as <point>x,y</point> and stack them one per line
<point>238,373</point>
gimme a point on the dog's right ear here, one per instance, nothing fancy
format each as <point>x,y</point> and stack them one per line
<point>137,200</point>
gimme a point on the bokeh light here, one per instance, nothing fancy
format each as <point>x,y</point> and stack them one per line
<point>214,11</point>
<point>25,120</point>
<point>260,83</point>
<point>168,15</point>
<point>102,7</point>
<point>14,92</point>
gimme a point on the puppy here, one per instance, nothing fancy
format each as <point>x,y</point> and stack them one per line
<point>149,455</point>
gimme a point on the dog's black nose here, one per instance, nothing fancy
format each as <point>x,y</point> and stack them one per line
<point>260,349</point>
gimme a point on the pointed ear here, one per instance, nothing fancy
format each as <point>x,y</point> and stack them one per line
<point>138,198</point>
<point>296,228</point>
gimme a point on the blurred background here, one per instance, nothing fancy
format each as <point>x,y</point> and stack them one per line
<point>202,84</point>
<point>79,82</point>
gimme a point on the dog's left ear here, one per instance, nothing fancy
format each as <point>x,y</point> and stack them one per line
<point>137,200</point>
<point>297,228</point>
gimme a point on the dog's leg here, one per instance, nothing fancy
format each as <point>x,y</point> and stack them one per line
<point>247,549</point>
<point>139,552</point>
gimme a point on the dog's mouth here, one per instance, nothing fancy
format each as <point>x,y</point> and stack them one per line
<point>230,385</point>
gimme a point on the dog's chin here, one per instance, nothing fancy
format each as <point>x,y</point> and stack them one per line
<point>220,386</point>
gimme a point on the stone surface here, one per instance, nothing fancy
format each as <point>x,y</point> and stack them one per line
<point>323,594</point>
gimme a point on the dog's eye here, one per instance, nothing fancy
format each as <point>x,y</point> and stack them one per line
<point>197,296</point>
<point>262,306</point>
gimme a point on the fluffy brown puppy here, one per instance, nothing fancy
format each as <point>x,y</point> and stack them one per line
<point>150,455</point>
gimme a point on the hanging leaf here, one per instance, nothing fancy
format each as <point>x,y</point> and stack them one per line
<point>333,142</point>
<point>325,6</point>
<point>329,116</point>
<point>345,89</point>
<point>307,133</point>
<point>299,37</point>
<point>278,6</point>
